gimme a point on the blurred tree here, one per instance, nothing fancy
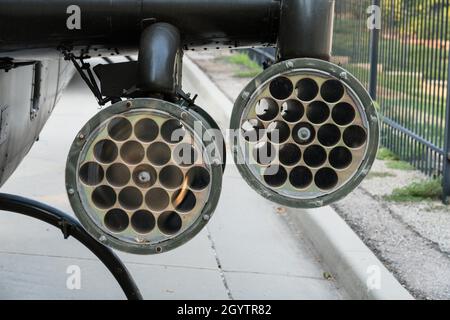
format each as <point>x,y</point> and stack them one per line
<point>425,19</point>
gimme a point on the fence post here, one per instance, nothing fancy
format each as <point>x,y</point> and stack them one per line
<point>446,160</point>
<point>374,44</point>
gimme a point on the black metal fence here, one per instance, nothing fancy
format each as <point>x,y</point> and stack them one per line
<point>405,66</point>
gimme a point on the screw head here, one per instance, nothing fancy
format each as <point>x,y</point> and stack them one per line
<point>81,136</point>
<point>245,95</point>
<point>129,104</point>
<point>71,191</point>
<point>343,75</point>
<point>140,240</point>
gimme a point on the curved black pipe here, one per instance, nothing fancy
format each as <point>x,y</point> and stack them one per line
<point>70,227</point>
<point>159,51</point>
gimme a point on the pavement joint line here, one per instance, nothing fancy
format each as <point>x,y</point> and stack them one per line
<point>128,263</point>
<point>170,266</point>
<point>276,274</point>
<point>165,265</point>
<point>219,266</point>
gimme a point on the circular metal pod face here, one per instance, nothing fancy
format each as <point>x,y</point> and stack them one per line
<point>321,126</point>
<point>145,176</point>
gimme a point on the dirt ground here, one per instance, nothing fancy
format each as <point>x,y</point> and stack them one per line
<point>412,238</point>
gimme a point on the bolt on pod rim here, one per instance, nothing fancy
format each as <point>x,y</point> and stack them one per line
<point>122,201</point>
<point>332,120</point>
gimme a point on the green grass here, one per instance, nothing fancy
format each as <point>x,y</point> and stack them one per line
<point>247,74</point>
<point>426,190</point>
<point>243,60</point>
<point>399,165</point>
<point>392,160</point>
<point>386,155</point>
<point>248,67</point>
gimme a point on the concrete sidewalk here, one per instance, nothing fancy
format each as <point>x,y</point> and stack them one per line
<point>248,251</point>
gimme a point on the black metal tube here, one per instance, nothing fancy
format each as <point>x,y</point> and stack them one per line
<point>70,227</point>
<point>446,157</point>
<point>306,29</point>
<point>303,28</point>
<point>374,46</point>
<point>28,24</point>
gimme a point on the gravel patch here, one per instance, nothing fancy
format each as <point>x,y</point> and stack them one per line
<point>416,261</point>
<point>392,179</point>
